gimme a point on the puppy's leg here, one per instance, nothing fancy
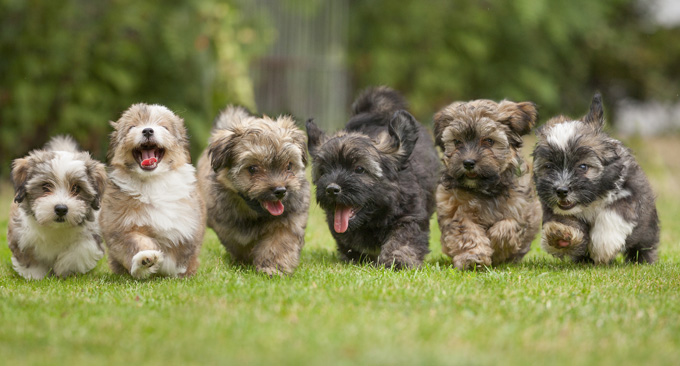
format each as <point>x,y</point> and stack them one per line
<point>32,271</point>
<point>81,258</point>
<point>465,242</point>
<point>507,241</point>
<point>138,253</point>
<point>349,254</point>
<point>278,253</point>
<point>565,236</point>
<point>405,248</point>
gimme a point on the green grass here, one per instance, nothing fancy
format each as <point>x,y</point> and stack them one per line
<point>537,312</point>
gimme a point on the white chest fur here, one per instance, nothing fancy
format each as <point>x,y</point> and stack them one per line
<point>164,203</point>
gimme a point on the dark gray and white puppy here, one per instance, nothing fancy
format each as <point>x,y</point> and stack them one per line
<point>53,219</point>
<point>375,180</point>
<point>596,199</point>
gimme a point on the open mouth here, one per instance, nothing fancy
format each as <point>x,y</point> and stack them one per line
<point>148,156</point>
<point>342,216</point>
<point>566,205</point>
<point>60,219</point>
<point>274,207</point>
<point>471,175</point>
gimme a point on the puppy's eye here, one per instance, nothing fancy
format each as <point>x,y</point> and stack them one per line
<point>583,168</point>
<point>253,169</point>
<point>549,166</point>
<point>75,189</point>
<point>47,187</point>
<point>487,142</point>
<point>458,143</point>
<point>289,167</point>
<point>131,127</point>
<point>359,170</point>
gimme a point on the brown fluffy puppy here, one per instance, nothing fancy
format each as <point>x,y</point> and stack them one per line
<point>252,176</point>
<point>153,216</point>
<point>53,220</point>
<point>487,207</point>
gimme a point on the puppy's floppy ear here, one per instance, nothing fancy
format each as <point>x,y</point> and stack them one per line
<point>595,116</point>
<point>315,137</point>
<point>441,121</point>
<point>96,172</point>
<point>19,175</point>
<point>301,141</point>
<point>520,117</point>
<point>221,149</point>
<point>403,135</point>
<point>113,141</point>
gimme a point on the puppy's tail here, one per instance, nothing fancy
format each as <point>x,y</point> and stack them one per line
<point>229,116</point>
<point>380,100</point>
<point>62,143</point>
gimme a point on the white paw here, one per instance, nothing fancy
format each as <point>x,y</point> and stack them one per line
<point>35,272</point>
<point>146,263</point>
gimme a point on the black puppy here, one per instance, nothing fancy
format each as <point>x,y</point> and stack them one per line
<point>376,179</point>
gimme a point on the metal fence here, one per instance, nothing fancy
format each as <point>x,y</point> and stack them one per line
<point>304,73</point>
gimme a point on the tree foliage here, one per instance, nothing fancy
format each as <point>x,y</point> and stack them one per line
<point>72,66</point>
<point>555,53</point>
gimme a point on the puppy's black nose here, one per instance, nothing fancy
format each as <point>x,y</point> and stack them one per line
<point>60,210</point>
<point>279,192</point>
<point>333,189</point>
<point>147,132</point>
<point>562,192</point>
<point>468,164</point>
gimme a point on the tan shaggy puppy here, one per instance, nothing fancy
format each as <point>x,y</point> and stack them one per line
<point>487,206</point>
<point>252,176</point>
<point>53,220</point>
<point>153,216</point>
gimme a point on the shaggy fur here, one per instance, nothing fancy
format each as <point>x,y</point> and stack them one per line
<point>252,176</point>
<point>53,220</point>
<point>375,180</point>
<point>486,205</point>
<point>596,199</point>
<point>153,216</point>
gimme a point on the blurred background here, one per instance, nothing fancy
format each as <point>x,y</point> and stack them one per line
<point>71,66</point>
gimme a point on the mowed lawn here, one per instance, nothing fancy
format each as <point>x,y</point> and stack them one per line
<point>542,311</point>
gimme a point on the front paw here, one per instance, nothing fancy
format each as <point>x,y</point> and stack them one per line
<point>270,271</point>
<point>146,263</point>
<point>401,258</point>
<point>562,237</point>
<point>471,261</point>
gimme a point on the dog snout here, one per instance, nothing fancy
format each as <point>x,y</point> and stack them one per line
<point>562,192</point>
<point>61,210</point>
<point>469,164</point>
<point>333,189</point>
<point>147,132</point>
<point>279,192</point>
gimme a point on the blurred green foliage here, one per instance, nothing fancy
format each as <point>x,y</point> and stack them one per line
<point>555,53</point>
<point>72,66</point>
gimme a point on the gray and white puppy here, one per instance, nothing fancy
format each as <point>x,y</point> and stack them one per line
<point>596,199</point>
<point>53,219</point>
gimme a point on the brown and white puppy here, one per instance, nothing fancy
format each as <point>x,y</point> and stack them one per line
<point>153,216</point>
<point>252,176</point>
<point>53,220</point>
<point>487,207</point>
<point>596,199</point>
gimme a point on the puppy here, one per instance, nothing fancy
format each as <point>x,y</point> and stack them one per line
<point>53,220</point>
<point>252,175</point>
<point>375,180</point>
<point>153,216</point>
<point>487,207</point>
<point>596,200</point>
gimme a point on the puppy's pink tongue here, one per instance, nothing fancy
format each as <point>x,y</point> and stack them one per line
<point>341,221</point>
<point>563,243</point>
<point>149,161</point>
<point>274,207</point>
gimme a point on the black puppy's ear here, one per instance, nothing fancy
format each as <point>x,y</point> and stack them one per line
<point>595,116</point>
<point>221,149</point>
<point>315,137</point>
<point>19,175</point>
<point>403,135</point>
<point>98,178</point>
